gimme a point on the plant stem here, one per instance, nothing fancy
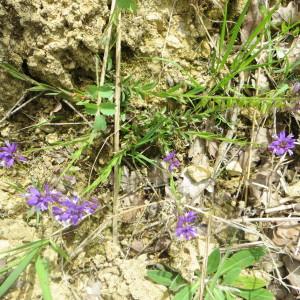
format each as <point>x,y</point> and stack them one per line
<point>117,130</point>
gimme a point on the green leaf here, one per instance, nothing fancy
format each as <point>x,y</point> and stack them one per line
<point>108,108</point>
<point>95,91</point>
<point>187,292</point>
<point>90,108</point>
<point>242,259</point>
<point>260,294</point>
<point>13,276</point>
<point>213,261</point>
<point>231,275</point>
<point>229,296</point>
<point>41,267</point>
<point>127,4</point>
<point>248,282</point>
<point>177,283</point>
<point>59,250</point>
<point>218,294</point>
<point>100,123</point>
<point>106,91</point>
<point>161,277</point>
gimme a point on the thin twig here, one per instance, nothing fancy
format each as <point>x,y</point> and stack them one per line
<point>275,219</point>
<point>9,113</point>
<point>78,112</point>
<point>117,129</point>
<point>223,147</point>
<point>205,260</point>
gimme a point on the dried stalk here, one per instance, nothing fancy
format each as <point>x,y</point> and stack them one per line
<point>117,129</point>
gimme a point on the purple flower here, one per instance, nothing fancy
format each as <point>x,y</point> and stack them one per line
<point>282,144</point>
<point>186,231</point>
<point>184,228</point>
<point>71,211</point>
<point>41,200</point>
<point>9,154</point>
<point>188,217</point>
<point>172,160</point>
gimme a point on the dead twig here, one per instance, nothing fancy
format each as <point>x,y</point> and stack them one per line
<point>117,129</point>
<point>10,111</point>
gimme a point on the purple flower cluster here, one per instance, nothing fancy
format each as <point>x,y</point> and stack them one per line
<point>172,161</point>
<point>41,200</point>
<point>68,211</point>
<point>184,226</point>
<point>282,144</point>
<point>9,154</point>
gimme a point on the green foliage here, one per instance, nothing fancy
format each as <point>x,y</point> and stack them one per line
<point>19,258</point>
<point>92,94</point>
<point>41,267</point>
<point>224,278</point>
<point>127,5</point>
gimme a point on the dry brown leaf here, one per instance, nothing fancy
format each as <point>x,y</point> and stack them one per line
<point>293,55</point>
<point>293,268</point>
<point>287,235</point>
<point>288,14</point>
<point>252,19</point>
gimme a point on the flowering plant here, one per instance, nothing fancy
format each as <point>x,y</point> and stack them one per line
<point>9,154</point>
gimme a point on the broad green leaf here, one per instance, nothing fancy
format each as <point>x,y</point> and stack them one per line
<point>177,283</point>
<point>260,294</point>
<point>100,123</point>
<point>95,91</point>
<point>127,4</point>
<point>108,108</point>
<point>161,277</point>
<point>231,275</point>
<point>248,282</point>
<point>242,259</point>
<point>13,276</point>
<point>213,261</point>
<point>218,294</point>
<point>90,108</point>
<point>187,292</point>
<point>106,91</point>
<point>42,272</point>
<point>229,296</point>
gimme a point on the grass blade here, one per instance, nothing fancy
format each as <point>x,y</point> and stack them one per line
<point>42,272</point>
<point>9,281</point>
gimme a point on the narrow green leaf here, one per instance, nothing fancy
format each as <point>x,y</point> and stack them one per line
<point>108,108</point>
<point>127,4</point>
<point>100,123</point>
<point>213,261</point>
<point>24,247</point>
<point>42,272</point>
<point>260,294</point>
<point>248,282</point>
<point>10,280</point>
<point>59,250</point>
<point>177,283</point>
<point>187,292</point>
<point>104,173</point>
